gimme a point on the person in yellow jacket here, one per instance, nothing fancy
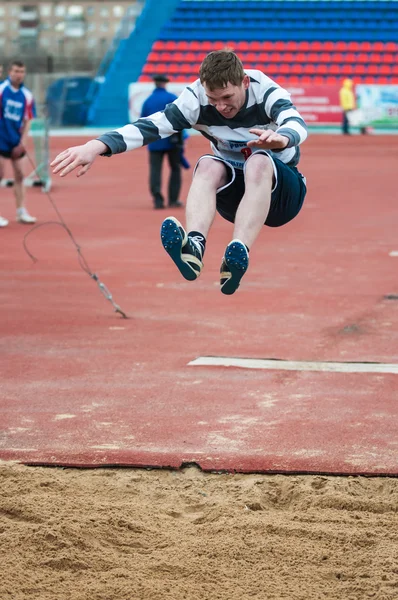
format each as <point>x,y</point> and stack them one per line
<point>347,103</point>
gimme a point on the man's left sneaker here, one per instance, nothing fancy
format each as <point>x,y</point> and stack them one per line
<point>233,267</point>
<point>184,250</point>
<point>24,217</point>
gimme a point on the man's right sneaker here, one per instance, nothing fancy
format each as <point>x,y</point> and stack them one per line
<point>24,217</point>
<point>3,222</point>
<point>234,265</point>
<point>183,249</point>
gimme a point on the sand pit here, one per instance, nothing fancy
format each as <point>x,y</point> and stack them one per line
<point>115,534</point>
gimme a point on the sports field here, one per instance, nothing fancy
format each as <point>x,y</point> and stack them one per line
<point>297,496</point>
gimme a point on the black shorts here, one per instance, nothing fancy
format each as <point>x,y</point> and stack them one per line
<point>286,199</point>
<point>6,154</point>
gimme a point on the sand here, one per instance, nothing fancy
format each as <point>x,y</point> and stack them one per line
<point>115,534</point>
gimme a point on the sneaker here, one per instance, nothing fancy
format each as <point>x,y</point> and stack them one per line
<point>184,250</point>
<point>3,222</point>
<point>233,267</point>
<point>24,217</point>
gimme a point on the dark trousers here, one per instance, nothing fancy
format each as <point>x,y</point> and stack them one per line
<point>345,125</point>
<point>155,176</point>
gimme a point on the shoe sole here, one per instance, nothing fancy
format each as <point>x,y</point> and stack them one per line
<point>173,241</point>
<point>237,261</point>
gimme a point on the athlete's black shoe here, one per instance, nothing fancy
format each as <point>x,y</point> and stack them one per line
<point>233,267</point>
<point>184,250</point>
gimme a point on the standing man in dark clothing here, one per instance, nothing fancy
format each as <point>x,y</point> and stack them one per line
<point>172,146</point>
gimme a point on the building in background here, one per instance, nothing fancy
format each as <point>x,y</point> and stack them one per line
<point>59,35</point>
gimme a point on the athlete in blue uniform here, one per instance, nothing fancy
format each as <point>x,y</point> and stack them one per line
<point>17,108</point>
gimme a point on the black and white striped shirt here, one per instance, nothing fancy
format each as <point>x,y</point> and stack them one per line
<point>267,106</point>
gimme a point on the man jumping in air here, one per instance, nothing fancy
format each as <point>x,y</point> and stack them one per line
<point>251,178</point>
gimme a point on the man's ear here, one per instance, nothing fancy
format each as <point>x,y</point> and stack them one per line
<point>246,81</point>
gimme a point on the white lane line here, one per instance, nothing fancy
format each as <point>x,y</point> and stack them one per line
<point>293,365</point>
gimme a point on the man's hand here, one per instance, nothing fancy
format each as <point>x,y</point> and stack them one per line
<point>268,140</point>
<point>78,156</point>
<point>18,152</point>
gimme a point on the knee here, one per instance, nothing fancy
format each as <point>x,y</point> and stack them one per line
<point>259,168</point>
<point>212,170</point>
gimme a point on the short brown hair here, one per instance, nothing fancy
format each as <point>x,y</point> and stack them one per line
<point>220,68</point>
<point>17,63</point>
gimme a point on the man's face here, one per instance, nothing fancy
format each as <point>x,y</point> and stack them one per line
<point>16,75</point>
<point>230,99</point>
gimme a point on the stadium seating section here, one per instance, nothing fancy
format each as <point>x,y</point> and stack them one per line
<point>293,42</point>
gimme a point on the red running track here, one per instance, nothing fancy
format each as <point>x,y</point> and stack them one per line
<point>80,386</point>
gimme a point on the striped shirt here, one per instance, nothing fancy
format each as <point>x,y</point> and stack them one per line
<point>267,106</point>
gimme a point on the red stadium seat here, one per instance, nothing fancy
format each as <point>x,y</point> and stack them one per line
<point>297,69</point>
<point>239,46</point>
<point>267,46</point>
<point>186,68</point>
<point>158,45</point>
<point>316,46</point>
<point>325,57</point>
<point>359,69</point>
<point>362,57</point>
<point>274,57</point>
<point>272,69</point>
<point>385,70</point>
<point>304,46</point>
<point>338,57</point>
<point>292,45</point>
<point>346,70</point>
<point>335,70</point>
<point>301,57</point>
<point>154,56</point>
<point>171,45</point>
<point>353,47</point>
<point>207,46</point>
<point>313,57</point>
<point>350,58</point>
<point>372,69</point>
<point>309,69</point>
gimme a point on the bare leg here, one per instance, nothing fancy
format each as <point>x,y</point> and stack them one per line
<point>254,206</point>
<point>201,202</point>
<point>19,189</point>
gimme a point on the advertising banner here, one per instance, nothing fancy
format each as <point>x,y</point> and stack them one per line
<point>378,105</point>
